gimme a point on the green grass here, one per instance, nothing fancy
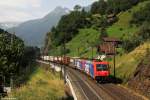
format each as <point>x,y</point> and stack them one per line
<point>42,85</point>
<point>55,51</point>
<point>127,63</point>
<point>83,41</point>
<point>122,26</point>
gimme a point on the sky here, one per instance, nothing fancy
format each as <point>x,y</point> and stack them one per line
<point>23,10</point>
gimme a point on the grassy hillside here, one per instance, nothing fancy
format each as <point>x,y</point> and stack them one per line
<point>127,63</point>
<point>83,41</point>
<point>122,26</point>
<point>89,36</point>
<point>42,85</point>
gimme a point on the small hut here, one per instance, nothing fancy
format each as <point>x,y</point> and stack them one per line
<point>108,45</point>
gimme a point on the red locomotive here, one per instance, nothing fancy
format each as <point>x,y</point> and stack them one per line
<point>98,70</point>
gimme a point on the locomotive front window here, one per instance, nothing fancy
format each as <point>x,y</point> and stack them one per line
<point>101,67</point>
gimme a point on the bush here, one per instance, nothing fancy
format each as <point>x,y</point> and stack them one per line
<point>135,40</point>
<point>112,6</point>
<point>141,16</point>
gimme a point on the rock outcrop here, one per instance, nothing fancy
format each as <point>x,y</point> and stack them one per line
<point>140,80</point>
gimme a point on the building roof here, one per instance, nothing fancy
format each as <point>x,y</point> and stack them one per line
<point>107,48</point>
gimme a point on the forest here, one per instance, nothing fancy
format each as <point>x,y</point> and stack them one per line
<point>102,15</point>
<point>15,58</point>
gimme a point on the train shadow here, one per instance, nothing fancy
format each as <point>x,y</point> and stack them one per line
<point>113,80</point>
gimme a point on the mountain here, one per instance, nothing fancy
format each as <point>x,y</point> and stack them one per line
<point>7,25</point>
<point>33,32</point>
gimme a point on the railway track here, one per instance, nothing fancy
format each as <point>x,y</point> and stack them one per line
<point>88,92</point>
<point>95,91</point>
<point>91,90</point>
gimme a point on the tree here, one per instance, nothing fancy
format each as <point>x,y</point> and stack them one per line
<point>77,8</point>
<point>112,6</point>
<point>69,25</point>
<point>142,15</point>
<point>103,33</point>
<point>11,52</point>
<point>13,56</point>
<point>99,7</point>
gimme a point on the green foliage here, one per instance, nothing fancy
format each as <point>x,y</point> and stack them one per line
<point>112,6</point>
<point>68,26</point>
<point>144,32</point>
<point>99,7</point>
<point>81,44</point>
<point>48,42</point>
<point>143,15</point>
<point>14,56</point>
<point>135,40</point>
<point>77,8</point>
<point>11,52</point>
<point>127,63</point>
<point>131,43</point>
<point>142,18</point>
<point>103,33</point>
<point>30,54</point>
<point>122,26</point>
<point>42,85</point>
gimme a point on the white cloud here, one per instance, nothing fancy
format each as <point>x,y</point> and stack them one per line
<point>14,16</point>
<point>22,10</point>
<point>18,10</point>
<point>35,3</point>
<point>20,3</point>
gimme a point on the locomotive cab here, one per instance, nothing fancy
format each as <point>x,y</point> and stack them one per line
<point>101,70</point>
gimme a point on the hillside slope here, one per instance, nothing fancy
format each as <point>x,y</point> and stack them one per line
<point>122,26</point>
<point>42,85</point>
<point>81,45</point>
<point>140,80</point>
<point>86,36</point>
<point>127,63</point>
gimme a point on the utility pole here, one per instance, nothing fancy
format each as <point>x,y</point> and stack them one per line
<point>61,53</point>
<point>92,52</point>
<point>64,45</point>
<point>114,60</point>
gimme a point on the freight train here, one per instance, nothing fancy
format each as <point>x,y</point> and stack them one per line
<point>96,69</point>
